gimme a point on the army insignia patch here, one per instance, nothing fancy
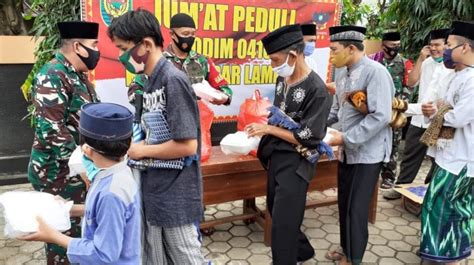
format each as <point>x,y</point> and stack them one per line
<point>110,9</point>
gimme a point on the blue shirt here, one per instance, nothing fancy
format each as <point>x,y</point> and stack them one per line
<point>367,137</point>
<point>111,227</point>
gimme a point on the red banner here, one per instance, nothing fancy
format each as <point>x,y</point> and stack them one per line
<point>228,32</point>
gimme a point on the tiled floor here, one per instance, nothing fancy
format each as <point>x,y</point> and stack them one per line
<point>394,238</point>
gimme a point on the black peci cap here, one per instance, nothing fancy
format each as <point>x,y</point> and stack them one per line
<point>78,30</point>
<point>282,38</point>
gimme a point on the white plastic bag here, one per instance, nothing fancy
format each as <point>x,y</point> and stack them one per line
<point>328,137</point>
<point>206,92</point>
<point>239,143</point>
<point>75,163</point>
<point>20,209</point>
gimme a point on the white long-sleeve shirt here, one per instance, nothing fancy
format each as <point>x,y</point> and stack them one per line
<point>434,82</point>
<point>460,152</point>
<point>311,63</point>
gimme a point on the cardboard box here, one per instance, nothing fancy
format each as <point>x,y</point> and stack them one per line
<point>415,191</point>
<point>412,196</point>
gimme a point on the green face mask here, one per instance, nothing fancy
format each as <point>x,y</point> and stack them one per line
<point>134,63</point>
<point>438,60</point>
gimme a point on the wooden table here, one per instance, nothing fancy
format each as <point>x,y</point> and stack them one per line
<point>230,177</point>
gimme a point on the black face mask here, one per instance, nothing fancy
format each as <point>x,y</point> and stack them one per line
<point>184,43</point>
<point>92,60</point>
<point>392,52</point>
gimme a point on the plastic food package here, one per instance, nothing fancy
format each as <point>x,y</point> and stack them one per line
<point>206,116</point>
<point>328,137</point>
<point>206,92</point>
<point>238,143</point>
<point>22,207</point>
<point>253,110</point>
<point>75,163</point>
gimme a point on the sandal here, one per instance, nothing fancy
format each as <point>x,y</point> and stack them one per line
<point>386,184</point>
<point>335,255</point>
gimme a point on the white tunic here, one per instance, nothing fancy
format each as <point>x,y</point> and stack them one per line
<point>434,82</point>
<point>311,63</point>
<point>460,152</point>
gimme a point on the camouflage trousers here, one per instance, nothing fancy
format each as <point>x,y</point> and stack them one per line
<point>389,170</point>
<point>50,175</point>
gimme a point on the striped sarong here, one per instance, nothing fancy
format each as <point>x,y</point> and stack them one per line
<point>446,230</point>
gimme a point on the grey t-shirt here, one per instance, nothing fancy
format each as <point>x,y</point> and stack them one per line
<point>173,197</point>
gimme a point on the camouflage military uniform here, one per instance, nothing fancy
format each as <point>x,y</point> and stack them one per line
<point>198,67</point>
<point>58,94</point>
<point>138,83</point>
<point>398,68</point>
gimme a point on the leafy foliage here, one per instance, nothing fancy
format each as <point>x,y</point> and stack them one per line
<point>378,21</point>
<point>355,13</point>
<point>416,18</point>
<point>48,14</point>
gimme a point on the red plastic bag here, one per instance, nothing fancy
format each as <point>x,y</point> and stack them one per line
<point>206,116</point>
<point>253,110</point>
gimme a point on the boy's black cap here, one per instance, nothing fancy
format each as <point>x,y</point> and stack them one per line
<point>282,38</point>
<point>463,28</point>
<point>308,29</point>
<point>439,34</point>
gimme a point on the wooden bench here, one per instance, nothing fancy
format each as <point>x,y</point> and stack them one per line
<point>229,178</point>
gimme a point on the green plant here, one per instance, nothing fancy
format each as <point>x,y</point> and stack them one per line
<point>416,18</point>
<point>354,12</point>
<point>378,22</point>
<point>48,14</point>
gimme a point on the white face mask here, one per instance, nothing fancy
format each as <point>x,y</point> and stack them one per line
<point>284,70</point>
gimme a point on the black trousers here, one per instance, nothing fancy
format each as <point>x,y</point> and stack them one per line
<point>356,184</point>
<point>286,201</point>
<point>413,156</point>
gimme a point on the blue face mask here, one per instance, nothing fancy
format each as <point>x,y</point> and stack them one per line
<point>438,60</point>
<point>308,48</point>
<point>91,169</point>
<point>448,57</point>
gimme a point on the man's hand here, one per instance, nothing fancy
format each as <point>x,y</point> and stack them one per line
<point>428,109</point>
<point>425,52</point>
<point>77,210</point>
<point>257,129</point>
<point>135,151</point>
<point>224,99</point>
<point>331,87</point>
<point>86,180</point>
<point>440,103</point>
<point>336,138</point>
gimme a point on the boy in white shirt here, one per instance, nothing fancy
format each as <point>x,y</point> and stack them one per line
<point>433,79</point>
<point>446,230</point>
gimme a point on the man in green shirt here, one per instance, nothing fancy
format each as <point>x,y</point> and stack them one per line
<point>197,66</point>
<point>59,90</point>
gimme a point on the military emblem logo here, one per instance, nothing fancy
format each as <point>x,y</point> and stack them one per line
<point>111,9</point>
